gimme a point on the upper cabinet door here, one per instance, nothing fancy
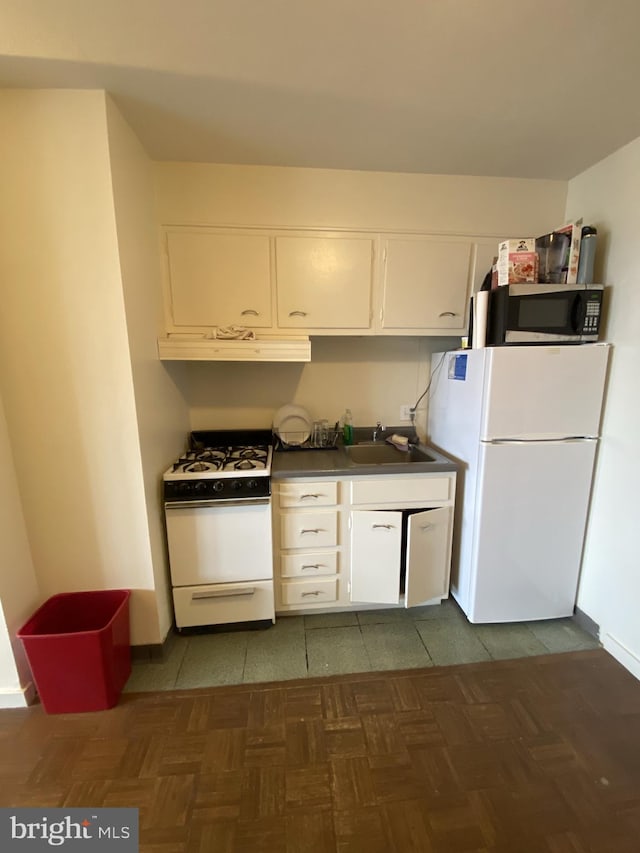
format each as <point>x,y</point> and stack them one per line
<point>219,279</point>
<point>324,282</point>
<point>426,284</point>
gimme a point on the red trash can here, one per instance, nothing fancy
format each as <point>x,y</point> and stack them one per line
<point>77,645</point>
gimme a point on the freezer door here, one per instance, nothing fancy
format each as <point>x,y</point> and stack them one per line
<point>542,392</point>
<point>531,513</point>
<point>455,401</point>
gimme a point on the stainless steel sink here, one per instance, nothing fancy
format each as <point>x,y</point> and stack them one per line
<point>385,454</point>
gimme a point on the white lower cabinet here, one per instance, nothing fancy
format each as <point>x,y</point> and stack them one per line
<point>394,552</point>
<point>307,543</point>
<point>374,541</point>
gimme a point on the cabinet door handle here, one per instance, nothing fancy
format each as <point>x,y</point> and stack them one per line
<point>315,592</point>
<point>426,526</point>
<point>311,530</point>
<point>447,314</point>
<point>250,311</point>
<point>386,526</point>
<point>297,313</point>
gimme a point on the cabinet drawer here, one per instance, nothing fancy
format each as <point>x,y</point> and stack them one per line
<point>309,592</point>
<point>309,529</point>
<point>308,494</point>
<point>390,490</point>
<point>308,565</point>
<point>218,604</point>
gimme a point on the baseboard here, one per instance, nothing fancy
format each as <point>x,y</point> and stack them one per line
<point>153,652</point>
<point>622,654</point>
<point>586,623</point>
<point>20,697</point>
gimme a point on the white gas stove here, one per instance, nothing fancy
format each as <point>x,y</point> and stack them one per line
<point>218,516</point>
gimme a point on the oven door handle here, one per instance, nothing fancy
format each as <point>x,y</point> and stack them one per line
<point>222,593</point>
<point>221,502</point>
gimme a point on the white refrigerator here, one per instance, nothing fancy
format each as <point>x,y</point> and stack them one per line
<point>523,422</point>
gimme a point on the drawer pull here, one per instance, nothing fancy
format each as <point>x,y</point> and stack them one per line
<point>386,526</point>
<point>312,530</point>
<point>311,495</point>
<point>310,566</point>
<point>221,593</point>
<point>297,313</point>
<point>447,314</point>
<point>250,311</point>
<point>314,593</point>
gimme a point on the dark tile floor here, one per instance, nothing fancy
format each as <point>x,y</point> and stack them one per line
<point>338,643</point>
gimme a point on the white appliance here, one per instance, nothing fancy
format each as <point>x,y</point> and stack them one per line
<point>217,500</point>
<point>523,422</point>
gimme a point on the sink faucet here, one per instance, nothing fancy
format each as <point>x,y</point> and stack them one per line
<point>376,430</point>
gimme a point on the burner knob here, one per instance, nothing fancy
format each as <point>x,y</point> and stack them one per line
<point>236,484</point>
<point>200,486</point>
<point>218,485</point>
<point>252,484</point>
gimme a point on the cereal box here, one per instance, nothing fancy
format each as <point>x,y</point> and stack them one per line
<point>517,261</point>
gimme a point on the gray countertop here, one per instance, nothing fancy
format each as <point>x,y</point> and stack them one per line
<point>336,463</point>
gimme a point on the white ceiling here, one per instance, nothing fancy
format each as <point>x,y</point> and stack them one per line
<point>478,87</point>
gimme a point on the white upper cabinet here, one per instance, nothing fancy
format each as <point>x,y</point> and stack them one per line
<point>324,282</point>
<point>426,284</point>
<point>284,283</point>
<point>219,278</point>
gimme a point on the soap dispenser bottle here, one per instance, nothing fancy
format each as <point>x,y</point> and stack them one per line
<point>347,427</point>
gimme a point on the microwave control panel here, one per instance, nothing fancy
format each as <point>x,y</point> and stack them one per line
<point>591,322</point>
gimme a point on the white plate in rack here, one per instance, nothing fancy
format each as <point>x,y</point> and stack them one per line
<point>292,424</point>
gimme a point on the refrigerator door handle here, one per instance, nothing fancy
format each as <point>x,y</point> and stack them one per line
<point>554,440</point>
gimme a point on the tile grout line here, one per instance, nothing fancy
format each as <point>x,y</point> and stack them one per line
<point>420,637</point>
<point>181,664</point>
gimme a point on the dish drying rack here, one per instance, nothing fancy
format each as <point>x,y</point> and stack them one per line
<point>328,441</point>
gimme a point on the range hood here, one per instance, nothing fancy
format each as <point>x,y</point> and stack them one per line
<point>179,348</point>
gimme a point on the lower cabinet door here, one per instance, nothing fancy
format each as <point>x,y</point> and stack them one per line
<point>428,537</point>
<point>376,539</point>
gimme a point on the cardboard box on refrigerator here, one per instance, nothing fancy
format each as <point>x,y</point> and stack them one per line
<point>574,230</point>
<point>517,261</point>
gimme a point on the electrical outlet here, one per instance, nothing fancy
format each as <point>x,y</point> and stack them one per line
<point>405,413</point>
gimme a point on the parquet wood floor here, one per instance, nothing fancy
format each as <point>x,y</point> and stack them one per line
<point>534,755</point>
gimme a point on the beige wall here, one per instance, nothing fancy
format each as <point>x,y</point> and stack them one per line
<point>19,594</point>
<point>161,411</point>
<point>607,196</point>
<point>372,375</point>
<point>203,194</point>
<point>65,363</point>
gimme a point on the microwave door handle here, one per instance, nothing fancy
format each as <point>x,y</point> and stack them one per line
<point>576,319</point>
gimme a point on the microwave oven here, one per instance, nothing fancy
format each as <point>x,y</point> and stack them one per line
<point>544,314</point>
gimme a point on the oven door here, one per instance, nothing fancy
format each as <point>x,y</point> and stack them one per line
<point>219,543</point>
